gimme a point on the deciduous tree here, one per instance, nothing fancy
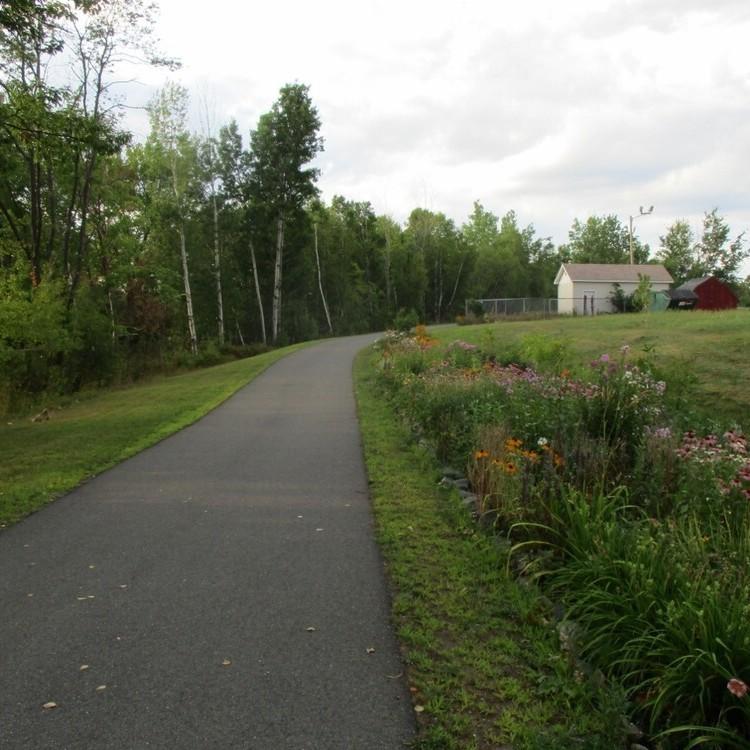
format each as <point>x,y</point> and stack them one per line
<point>282,146</point>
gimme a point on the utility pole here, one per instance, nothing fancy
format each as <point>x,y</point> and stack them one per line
<point>641,212</point>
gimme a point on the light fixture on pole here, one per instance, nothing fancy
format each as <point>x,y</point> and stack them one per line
<point>641,212</point>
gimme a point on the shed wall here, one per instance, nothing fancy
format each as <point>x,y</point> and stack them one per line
<point>715,295</point>
<point>565,295</point>
<point>571,295</point>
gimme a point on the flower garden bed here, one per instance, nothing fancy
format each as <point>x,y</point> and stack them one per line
<point>637,527</point>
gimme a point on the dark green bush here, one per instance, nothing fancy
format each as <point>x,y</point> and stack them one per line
<point>405,320</point>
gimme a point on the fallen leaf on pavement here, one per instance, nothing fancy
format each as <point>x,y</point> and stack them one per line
<point>50,704</point>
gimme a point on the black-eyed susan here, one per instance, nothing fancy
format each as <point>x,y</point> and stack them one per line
<point>510,468</point>
<point>478,455</point>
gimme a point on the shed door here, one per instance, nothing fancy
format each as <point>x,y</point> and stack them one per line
<point>588,302</point>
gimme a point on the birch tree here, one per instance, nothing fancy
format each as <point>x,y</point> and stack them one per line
<point>210,166</point>
<point>174,150</point>
<point>284,143</point>
<point>236,191</point>
<point>320,280</point>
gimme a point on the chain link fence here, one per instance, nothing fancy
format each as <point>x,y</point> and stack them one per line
<point>511,306</point>
<point>538,306</point>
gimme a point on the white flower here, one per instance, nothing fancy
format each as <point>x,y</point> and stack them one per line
<point>542,442</point>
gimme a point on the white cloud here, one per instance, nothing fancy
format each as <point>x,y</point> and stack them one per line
<point>558,110</point>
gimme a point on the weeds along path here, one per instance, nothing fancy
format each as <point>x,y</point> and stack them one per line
<point>222,589</point>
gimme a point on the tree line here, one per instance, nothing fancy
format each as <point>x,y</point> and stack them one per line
<point>117,257</point>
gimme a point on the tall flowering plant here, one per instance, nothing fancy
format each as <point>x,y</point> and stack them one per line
<point>627,402</point>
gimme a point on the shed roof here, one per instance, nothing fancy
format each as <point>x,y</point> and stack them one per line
<point>615,273</point>
<point>681,293</point>
<point>691,284</point>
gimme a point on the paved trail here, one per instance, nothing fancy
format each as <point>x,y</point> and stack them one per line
<point>228,542</point>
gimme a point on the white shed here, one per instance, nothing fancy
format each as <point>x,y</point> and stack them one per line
<point>585,288</point>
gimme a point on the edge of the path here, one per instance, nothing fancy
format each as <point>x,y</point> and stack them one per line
<point>45,460</point>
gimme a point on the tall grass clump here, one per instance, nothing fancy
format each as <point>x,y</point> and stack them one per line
<point>638,527</point>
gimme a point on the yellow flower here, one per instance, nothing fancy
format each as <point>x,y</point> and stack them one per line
<point>510,468</point>
<point>481,454</point>
<point>513,444</point>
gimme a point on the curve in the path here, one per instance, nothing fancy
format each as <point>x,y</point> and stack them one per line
<point>222,589</point>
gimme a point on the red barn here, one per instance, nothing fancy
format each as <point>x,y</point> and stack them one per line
<point>711,293</point>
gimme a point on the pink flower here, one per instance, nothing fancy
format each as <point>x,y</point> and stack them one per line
<point>737,687</point>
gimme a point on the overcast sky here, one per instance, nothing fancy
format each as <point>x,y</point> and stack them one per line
<point>555,109</point>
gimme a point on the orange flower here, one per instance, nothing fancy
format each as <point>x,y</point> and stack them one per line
<point>513,444</point>
<point>497,462</point>
<point>532,456</point>
<point>481,454</point>
<point>510,468</point>
<point>558,460</point>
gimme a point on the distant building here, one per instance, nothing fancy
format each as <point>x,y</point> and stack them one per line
<point>707,293</point>
<point>586,288</point>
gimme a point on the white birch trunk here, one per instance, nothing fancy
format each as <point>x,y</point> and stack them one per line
<point>257,294</point>
<point>276,313</point>
<point>217,272</point>
<point>112,316</point>
<point>455,286</point>
<point>188,294</point>
<point>184,258</point>
<point>320,280</point>
<point>239,330</point>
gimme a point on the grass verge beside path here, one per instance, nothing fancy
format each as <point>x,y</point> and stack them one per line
<point>482,651</point>
<point>44,460</point>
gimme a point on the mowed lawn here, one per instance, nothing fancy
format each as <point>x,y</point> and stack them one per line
<point>42,460</point>
<point>708,352</point>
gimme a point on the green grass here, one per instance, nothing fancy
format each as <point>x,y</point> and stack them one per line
<point>482,651</point>
<point>712,349</point>
<point>41,461</point>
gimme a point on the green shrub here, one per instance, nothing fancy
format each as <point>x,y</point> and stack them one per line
<point>406,320</point>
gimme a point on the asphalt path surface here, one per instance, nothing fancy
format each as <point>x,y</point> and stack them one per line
<point>222,589</point>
